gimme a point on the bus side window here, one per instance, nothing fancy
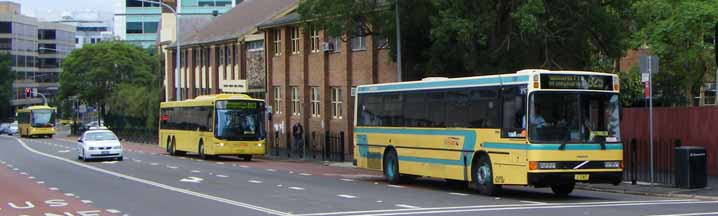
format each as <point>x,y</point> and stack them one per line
<point>514,112</point>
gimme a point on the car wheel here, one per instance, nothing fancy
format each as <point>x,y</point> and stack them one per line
<point>483,177</point>
<point>246,157</point>
<point>120,158</point>
<point>562,190</point>
<point>201,151</point>
<point>50,137</point>
<point>391,167</point>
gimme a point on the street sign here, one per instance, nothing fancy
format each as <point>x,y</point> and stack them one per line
<point>649,64</point>
<point>645,77</point>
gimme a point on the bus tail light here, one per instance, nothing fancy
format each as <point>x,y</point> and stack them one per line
<point>536,165</point>
<point>536,82</point>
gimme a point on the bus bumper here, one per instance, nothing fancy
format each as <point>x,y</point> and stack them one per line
<point>547,179</point>
<point>249,148</point>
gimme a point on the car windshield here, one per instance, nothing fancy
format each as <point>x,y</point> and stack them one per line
<point>43,118</point>
<point>100,136</point>
<point>574,117</point>
<point>239,122</point>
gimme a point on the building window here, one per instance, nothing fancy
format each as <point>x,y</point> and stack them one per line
<point>255,45</point>
<point>150,27</point>
<point>295,37</point>
<point>336,103</point>
<point>315,101</point>
<point>315,41</point>
<point>277,99</point>
<point>296,109</point>
<point>5,27</point>
<point>334,44</point>
<point>359,43</point>
<point>277,42</point>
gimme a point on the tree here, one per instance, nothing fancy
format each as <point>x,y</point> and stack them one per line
<point>680,33</point>
<point>467,37</point>
<point>7,77</point>
<point>94,72</point>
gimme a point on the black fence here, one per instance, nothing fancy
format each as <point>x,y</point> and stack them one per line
<point>319,145</point>
<point>637,161</point>
<point>137,135</point>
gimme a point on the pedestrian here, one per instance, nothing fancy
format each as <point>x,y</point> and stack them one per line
<point>298,134</point>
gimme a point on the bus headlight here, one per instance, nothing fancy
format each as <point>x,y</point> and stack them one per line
<point>612,164</point>
<point>220,144</point>
<point>259,144</point>
<point>547,165</point>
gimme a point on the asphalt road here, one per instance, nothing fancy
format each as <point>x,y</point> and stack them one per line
<point>40,175</point>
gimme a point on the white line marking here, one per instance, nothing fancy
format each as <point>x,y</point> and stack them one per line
<point>347,196</point>
<point>255,181</point>
<point>220,163</point>
<point>69,194</point>
<point>305,174</point>
<point>40,182</point>
<point>222,176</point>
<point>31,177</point>
<point>109,162</point>
<point>113,211</point>
<point>243,166</point>
<point>23,173</point>
<point>54,188</point>
<point>159,185</point>
<point>154,164</point>
<point>135,160</point>
<point>407,206</point>
<point>271,170</point>
<point>63,151</point>
<point>171,167</point>
<point>379,201</point>
<point>492,206</point>
<point>86,201</point>
<point>15,169</point>
<point>458,194</point>
<point>533,202</point>
<point>192,179</point>
<point>296,188</point>
<point>291,172</point>
<point>347,180</point>
<point>396,186</point>
<point>690,214</point>
<point>195,171</point>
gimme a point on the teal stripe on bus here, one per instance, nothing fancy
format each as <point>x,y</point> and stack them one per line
<point>443,84</point>
<point>569,146</point>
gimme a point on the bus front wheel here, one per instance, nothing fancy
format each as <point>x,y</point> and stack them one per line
<point>202,155</point>
<point>563,190</point>
<point>482,176</point>
<point>391,167</point>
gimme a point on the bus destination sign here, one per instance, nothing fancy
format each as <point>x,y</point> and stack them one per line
<point>241,105</point>
<point>574,81</point>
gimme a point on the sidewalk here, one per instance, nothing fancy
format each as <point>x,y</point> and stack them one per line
<point>642,188</point>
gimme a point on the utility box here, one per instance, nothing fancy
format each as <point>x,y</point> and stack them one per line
<point>691,167</point>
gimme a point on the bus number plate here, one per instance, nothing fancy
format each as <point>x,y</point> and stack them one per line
<point>581,177</point>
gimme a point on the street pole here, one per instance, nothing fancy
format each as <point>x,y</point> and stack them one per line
<point>650,112</point>
<point>177,38</point>
<point>398,43</point>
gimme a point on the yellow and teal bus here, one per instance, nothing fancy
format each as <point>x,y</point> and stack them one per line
<point>535,127</point>
<point>36,121</point>
<point>223,124</point>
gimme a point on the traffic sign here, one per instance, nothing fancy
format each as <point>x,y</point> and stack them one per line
<point>649,64</point>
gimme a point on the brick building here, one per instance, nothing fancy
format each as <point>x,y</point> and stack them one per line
<point>226,55</point>
<point>311,77</point>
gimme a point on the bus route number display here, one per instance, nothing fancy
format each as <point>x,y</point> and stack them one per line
<point>573,81</point>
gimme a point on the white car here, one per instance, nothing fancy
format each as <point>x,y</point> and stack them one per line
<point>99,143</point>
<point>12,130</point>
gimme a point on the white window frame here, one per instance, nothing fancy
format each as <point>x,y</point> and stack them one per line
<point>296,105</point>
<point>315,101</point>
<point>277,99</point>
<point>295,37</point>
<point>315,41</point>
<point>277,42</point>
<point>337,112</point>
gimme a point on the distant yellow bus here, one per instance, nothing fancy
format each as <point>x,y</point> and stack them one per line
<point>535,127</point>
<point>36,121</point>
<point>224,124</point>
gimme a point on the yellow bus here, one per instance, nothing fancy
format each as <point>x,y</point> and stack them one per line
<point>535,127</point>
<point>223,124</point>
<point>36,121</point>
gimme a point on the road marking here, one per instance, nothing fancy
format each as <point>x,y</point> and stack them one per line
<point>347,180</point>
<point>407,206</point>
<point>458,194</point>
<point>54,188</point>
<point>159,185</point>
<point>379,201</point>
<point>40,182</point>
<point>396,186</point>
<point>109,162</point>
<point>296,188</point>
<point>347,196</point>
<point>86,201</point>
<point>271,170</point>
<point>220,163</point>
<point>113,211</point>
<point>195,171</point>
<point>69,194</point>
<point>305,174</point>
<point>222,176</point>
<point>15,169</point>
<point>255,181</point>
<point>192,179</point>
<point>23,173</point>
<point>499,207</point>
<point>533,202</point>
<point>171,167</point>
<point>31,177</point>
<point>243,166</point>
<point>689,214</point>
<point>154,164</point>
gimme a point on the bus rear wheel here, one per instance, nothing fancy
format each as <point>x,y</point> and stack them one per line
<point>391,167</point>
<point>564,189</point>
<point>482,176</point>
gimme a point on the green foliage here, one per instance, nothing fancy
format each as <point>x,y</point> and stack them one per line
<point>680,33</point>
<point>631,88</point>
<point>112,75</point>
<point>7,77</point>
<point>137,102</point>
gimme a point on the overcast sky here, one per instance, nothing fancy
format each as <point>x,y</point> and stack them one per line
<point>53,9</point>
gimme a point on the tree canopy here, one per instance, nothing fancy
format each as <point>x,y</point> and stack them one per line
<point>7,77</point>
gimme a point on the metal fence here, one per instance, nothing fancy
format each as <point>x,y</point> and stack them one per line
<point>318,145</point>
<point>637,161</point>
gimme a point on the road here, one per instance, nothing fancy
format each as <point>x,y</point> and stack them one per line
<point>44,177</point>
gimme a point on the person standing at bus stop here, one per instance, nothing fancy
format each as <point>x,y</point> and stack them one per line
<point>298,134</point>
